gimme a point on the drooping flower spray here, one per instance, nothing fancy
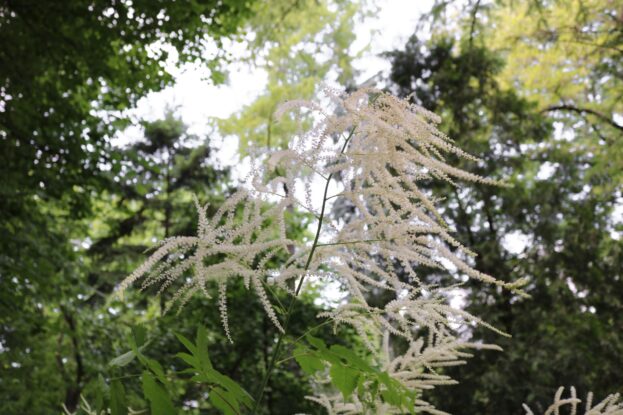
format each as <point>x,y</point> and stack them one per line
<point>381,149</point>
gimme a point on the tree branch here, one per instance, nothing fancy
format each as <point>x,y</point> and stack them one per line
<point>472,28</point>
<point>579,110</point>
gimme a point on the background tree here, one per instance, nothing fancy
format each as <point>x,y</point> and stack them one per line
<point>534,86</point>
<point>71,63</point>
<point>559,209</point>
<point>65,345</point>
<point>156,184</point>
<point>65,69</point>
<point>301,45</point>
<point>68,73</point>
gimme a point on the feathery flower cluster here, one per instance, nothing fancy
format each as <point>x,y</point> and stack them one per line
<point>390,147</point>
<point>240,240</point>
<point>381,149</point>
<point>414,370</point>
<point>609,406</point>
<point>385,149</point>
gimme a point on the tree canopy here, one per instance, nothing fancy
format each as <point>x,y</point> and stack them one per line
<point>533,88</point>
<point>518,98</point>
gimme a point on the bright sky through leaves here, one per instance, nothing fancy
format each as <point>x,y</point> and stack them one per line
<point>197,100</point>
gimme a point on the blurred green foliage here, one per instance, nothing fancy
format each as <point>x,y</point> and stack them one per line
<point>532,87</point>
<point>67,70</point>
<point>555,224</point>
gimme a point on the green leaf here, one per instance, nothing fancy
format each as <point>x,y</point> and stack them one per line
<point>200,362</point>
<point>391,396</point>
<point>187,343</point>
<point>223,401</point>
<point>228,383</point>
<point>344,378</point>
<point>316,342</point>
<point>159,401</point>
<point>141,188</point>
<point>100,391</point>
<point>156,369</point>
<point>140,335</point>
<point>372,386</point>
<point>394,393</point>
<point>128,357</point>
<point>308,362</point>
<point>351,358</point>
<point>123,360</point>
<point>322,351</point>
<point>118,404</point>
<point>190,360</point>
<point>202,348</point>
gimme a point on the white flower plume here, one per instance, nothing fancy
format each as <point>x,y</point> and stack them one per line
<point>612,405</point>
<point>382,149</point>
<point>225,247</point>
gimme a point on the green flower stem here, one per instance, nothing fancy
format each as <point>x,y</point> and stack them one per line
<point>275,354</point>
<point>355,242</point>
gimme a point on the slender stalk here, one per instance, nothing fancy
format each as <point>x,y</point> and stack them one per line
<point>335,195</point>
<point>316,327</point>
<point>354,242</point>
<point>275,354</point>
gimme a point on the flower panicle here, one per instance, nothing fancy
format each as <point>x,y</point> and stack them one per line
<point>375,156</point>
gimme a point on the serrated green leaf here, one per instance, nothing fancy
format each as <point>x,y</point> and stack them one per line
<point>200,361</point>
<point>187,343</point>
<point>157,370</point>
<point>228,383</point>
<point>391,396</point>
<point>140,335</point>
<point>322,351</point>
<point>202,348</point>
<point>394,392</point>
<point>350,357</point>
<point>308,362</point>
<point>118,404</point>
<point>190,360</point>
<point>122,360</point>
<point>316,342</point>
<point>344,378</point>
<point>159,401</point>
<point>100,391</point>
<point>223,401</point>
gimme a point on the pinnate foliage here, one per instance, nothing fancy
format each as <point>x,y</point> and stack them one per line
<point>223,392</point>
